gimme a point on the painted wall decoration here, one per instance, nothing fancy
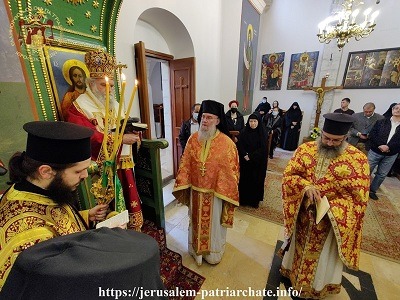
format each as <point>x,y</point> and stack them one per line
<point>271,71</point>
<point>250,23</point>
<point>373,69</point>
<point>67,72</point>
<point>302,70</point>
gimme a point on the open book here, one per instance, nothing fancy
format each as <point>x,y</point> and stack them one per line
<point>322,208</point>
<point>116,221</point>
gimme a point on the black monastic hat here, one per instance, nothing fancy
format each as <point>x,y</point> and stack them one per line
<point>57,142</point>
<point>337,124</point>
<point>85,265</point>
<point>215,108</point>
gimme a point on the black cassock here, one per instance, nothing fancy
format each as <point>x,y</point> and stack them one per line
<point>252,142</point>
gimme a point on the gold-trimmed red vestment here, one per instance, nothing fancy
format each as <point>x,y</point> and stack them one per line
<point>217,177</point>
<point>345,181</point>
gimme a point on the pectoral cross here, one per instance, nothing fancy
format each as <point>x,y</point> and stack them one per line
<point>203,169</point>
<point>320,91</point>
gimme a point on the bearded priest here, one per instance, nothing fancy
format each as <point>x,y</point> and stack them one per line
<point>328,169</point>
<point>89,110</point>
<point>207,182</point>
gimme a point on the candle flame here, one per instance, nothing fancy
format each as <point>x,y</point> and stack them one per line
<point>136,82</point>
<point>123,77</point>
<point>106,78</point>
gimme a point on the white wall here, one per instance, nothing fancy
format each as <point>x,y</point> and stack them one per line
<point>385,35</point>
<point>202,20</point>
<point>291,26</point>
<point>230,39</point>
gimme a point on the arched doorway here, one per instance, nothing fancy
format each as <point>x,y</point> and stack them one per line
<point>167,107</point>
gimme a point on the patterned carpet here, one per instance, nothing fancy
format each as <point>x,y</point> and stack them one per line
<point>173,274</point>
<point>381,234</point>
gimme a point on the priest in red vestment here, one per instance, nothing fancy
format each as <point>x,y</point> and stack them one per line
<point>89,110</point>
<point>207,182</point>
<point>331,168</point>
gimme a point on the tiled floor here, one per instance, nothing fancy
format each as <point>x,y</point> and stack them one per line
<point>250,252</point>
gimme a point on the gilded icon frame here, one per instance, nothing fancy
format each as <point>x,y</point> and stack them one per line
<point>302,70</point>
<point>55,59</point>
<point>372,69</point>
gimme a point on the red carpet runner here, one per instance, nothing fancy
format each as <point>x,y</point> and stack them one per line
<point>173,273</point>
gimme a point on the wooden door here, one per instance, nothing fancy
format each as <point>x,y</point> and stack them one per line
<point>182,81</point>
<point>141,74</point>
<point>143,93</point>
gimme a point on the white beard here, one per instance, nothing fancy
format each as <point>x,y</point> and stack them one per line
<point>101,96</point>
<point>206,134</point>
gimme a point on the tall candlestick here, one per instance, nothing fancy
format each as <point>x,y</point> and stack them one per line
<point>121,103</point>
<point>106,120</point>
<point>128,111</point>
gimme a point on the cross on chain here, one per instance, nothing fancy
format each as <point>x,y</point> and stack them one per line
<point>203,169</point>
<point>320,91</point>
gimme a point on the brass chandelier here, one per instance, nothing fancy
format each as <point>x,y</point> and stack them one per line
<point>346,26</point>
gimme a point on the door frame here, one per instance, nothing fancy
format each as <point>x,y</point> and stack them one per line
<point>141,74</point>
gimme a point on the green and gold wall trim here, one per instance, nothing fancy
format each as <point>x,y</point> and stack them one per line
<point>39,25</point>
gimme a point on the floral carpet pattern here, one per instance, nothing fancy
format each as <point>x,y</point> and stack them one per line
<point>381,234</point>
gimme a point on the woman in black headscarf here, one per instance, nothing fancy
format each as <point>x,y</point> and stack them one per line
<point>252,148</point>
<point>388,113</point>
<point>293,118</point>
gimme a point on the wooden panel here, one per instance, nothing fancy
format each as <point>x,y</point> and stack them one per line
<point>182,98</point>
<point>141,75</point>
<point>149,181</point>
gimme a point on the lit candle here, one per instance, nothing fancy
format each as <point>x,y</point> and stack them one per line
<point>117,124</point>
<point>128,111</point>
<point>354,15</point>
<point>107,112</point>
<point>373,16</point>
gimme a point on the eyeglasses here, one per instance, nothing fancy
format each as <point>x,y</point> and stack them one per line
<point>334,141</point>
<point>208,118</point>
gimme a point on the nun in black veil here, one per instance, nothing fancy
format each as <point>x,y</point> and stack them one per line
<point>252,148</point>
<point>293,118</point>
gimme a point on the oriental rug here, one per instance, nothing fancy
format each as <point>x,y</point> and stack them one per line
<point>381,234</point>
<point>173,274</point>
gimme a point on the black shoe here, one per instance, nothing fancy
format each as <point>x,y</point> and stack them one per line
<point>271,157</point>
<point>373,196</point>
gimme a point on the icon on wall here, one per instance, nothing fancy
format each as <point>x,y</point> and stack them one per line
<point>302,70</point>
<point>271,71</point>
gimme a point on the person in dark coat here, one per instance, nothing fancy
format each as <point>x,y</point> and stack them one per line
<point>273,125</point>
<point>385,147</point>
<point>264,107</point>
<point>293,118</point>
<point>234,117</point>
<point>189,126</point>
<point>388,115</point>
<point>252,148</point>
<point>275,106</point>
